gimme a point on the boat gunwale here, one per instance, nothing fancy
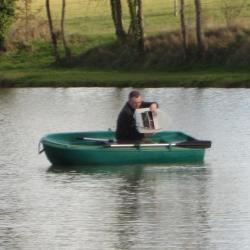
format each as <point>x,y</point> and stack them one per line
<point>62,144</point>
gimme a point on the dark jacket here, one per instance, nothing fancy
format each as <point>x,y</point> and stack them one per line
<point>126,126</point>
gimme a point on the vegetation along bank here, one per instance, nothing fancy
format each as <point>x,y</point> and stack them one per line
<point>149,43</point>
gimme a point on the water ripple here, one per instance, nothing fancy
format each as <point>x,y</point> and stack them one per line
<point>133,207</point>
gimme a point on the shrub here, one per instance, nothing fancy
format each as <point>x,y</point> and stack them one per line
<point>7,8</point>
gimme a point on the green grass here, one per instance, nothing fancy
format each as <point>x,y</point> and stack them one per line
<point>91,17</point>
<point>23,71</point>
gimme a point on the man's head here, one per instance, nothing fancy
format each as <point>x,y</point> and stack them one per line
<point>134,99</point>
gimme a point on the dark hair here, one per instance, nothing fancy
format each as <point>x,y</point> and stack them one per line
<point>134,93</point>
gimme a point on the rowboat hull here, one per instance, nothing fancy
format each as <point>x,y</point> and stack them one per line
<point>66,149</point>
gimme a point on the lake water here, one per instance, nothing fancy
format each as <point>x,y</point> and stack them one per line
<point>133,207</point>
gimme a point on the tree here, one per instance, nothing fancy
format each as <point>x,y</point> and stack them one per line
<point>137,29</point>
<point>199,33</point>
<point>140,35</point>
<point>183,27</point>
<point>232,10</point>
<point>66,48</point>
<point>52,33</point>
<point>7,11</point>
<point>29,24</point>
<point>116,10</point>
<point>27,9</point>
<point>23,12</point>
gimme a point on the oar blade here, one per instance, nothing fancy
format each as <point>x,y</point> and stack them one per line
<point>194,144</point>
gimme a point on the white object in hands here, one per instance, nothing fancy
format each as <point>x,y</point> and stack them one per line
<point>146,121</point>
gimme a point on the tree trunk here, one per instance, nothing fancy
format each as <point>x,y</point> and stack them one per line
<point>137,29</point>
<point>175,7</point>
<point>26,7</point>
<point>132,12</point>
<point>199,33</point>
<point>116,10</point>
<point>52,33</point>
<point>183,27</point>
<point>140,27</point>
<point>66,48</point>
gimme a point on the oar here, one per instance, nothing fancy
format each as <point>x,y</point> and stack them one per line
<point>100,140</point>
<point>184,144</point>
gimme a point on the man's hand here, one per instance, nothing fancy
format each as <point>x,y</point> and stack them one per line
<point>153,107</point>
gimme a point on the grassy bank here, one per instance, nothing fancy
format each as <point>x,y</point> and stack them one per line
<point>194,78</point>
<point>100,61</point>
<point>28,74</point>
<point>226,63</point>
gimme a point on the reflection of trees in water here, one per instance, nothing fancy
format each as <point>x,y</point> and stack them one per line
<point>11,238</point>
<point>192,214</point>
<point>12,215</point>
<point>127,208</point>
<point>163,207</point>
<point>157,206</point>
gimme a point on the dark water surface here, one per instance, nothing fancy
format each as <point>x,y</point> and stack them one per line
<point>133,207</point>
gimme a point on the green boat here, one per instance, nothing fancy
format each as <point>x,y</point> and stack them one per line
<point>100,148</point>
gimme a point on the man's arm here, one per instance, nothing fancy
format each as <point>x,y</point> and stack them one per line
<point>152,105</point>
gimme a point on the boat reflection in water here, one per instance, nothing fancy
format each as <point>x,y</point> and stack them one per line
<point>147,199</point>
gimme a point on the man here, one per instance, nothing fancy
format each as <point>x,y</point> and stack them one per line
<point>126,125</point>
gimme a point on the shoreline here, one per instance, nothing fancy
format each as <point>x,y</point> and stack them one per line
<point>60,77</point>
